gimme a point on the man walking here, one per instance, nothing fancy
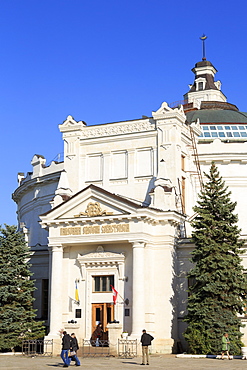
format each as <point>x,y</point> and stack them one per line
<point>146,340</point>
<point>66,343</point>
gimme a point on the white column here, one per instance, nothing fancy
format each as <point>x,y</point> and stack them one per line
<point>138,298</point>
<point>56,295</point>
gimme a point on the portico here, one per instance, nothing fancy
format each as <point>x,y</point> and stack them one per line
<point>112,242</point>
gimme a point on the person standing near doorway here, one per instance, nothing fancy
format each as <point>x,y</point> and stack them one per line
<point>65,348</point>
<point>97,335</point>
<point>146,340</point>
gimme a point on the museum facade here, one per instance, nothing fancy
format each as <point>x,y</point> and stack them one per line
<point>117,211</point>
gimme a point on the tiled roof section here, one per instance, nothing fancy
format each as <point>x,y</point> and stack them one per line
<point>204,63</point>
<point>217,116</point>
<point>218,105</point>
<point>209,78</point>
<point>209,83</point>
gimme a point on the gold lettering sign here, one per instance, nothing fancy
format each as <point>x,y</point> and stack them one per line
<point>95,229</point>
<point>70,231</point>
<point>120,228</point>
<point>91,229</point>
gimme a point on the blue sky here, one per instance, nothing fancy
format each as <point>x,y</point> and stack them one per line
<point>103,61</point>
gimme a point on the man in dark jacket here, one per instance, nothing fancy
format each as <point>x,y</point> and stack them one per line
<point>146,340</point>
<point>66,344</point>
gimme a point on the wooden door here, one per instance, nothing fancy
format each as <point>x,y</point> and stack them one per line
<point>102,313</point>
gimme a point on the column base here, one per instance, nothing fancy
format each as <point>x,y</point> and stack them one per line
<point>158,345</point>
<point>57,343</point>
<point>163,346</point>
<point>114,333</point>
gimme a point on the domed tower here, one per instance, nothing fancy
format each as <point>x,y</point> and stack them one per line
<point>204,87</point>
<point>206,102</point>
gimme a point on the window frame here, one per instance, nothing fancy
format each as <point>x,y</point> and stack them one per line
<point>109,280</point>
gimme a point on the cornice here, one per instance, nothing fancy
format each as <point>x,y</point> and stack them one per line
<point>162,218</point>
<point>223,158</point>
<point>30,184</point>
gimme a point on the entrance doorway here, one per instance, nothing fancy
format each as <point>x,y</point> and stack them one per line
<point>102,313</point>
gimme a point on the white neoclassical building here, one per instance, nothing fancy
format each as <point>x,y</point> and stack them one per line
<point>117,211</point>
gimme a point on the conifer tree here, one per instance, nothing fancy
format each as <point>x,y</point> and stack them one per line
<point>218,291</point>
<point>17,316</point>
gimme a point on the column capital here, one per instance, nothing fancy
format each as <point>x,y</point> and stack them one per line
<point>55,247</point>
<point>137,243</point>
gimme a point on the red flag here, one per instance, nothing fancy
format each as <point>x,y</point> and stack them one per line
<point>115,293</point>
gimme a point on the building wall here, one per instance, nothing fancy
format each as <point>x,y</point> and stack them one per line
<point>151,162</point>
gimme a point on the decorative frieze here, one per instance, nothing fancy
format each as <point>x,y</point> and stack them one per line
<point>117,129</point>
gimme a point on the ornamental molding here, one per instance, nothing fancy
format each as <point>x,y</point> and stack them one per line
<point>101,257</point>
<point>118,129</point>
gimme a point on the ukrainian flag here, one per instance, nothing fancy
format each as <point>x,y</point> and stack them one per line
<point>76,293</point>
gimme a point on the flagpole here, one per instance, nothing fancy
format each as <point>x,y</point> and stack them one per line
<point>121,297</point>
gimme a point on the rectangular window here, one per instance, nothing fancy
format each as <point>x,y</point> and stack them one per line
<point>182,162</point>
<point>119,165</point>
<point>127,312</point>
<point>103,283</point>
<point>44,300</point>
<point>183,194</point>
<point>78,313</point>
<point>144,162</point>
<point>94,167</point>
<point>200,86</point>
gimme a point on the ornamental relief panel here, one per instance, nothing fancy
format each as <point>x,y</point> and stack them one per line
<point>92,210</point>
<point>118,129</point>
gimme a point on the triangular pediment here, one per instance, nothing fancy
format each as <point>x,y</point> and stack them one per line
<point>101,256</point>
<point>91,202</point>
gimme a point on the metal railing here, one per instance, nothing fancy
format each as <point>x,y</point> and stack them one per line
<point>38,347</point>
<point>175,104</point>
<point>127,348</point>
<point>94,348</point>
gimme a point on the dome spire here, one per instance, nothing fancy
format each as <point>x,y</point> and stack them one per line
<point>203,38</point>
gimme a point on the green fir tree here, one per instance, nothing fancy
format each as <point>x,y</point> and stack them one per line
<point>17,316</point>
<point>218,291</point>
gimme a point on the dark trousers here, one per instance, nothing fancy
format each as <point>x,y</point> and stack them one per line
<point>76,359</point>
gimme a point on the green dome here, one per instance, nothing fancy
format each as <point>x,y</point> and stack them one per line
<point>216,116</point>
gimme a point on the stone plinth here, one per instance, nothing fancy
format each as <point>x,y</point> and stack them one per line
<point>114,333</point>
<point>162,346</point>
<point>57,344</point>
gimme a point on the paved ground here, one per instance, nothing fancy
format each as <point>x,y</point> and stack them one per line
<point>156,362</point>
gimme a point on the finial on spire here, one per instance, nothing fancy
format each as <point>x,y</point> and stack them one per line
<point>203,38</point>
